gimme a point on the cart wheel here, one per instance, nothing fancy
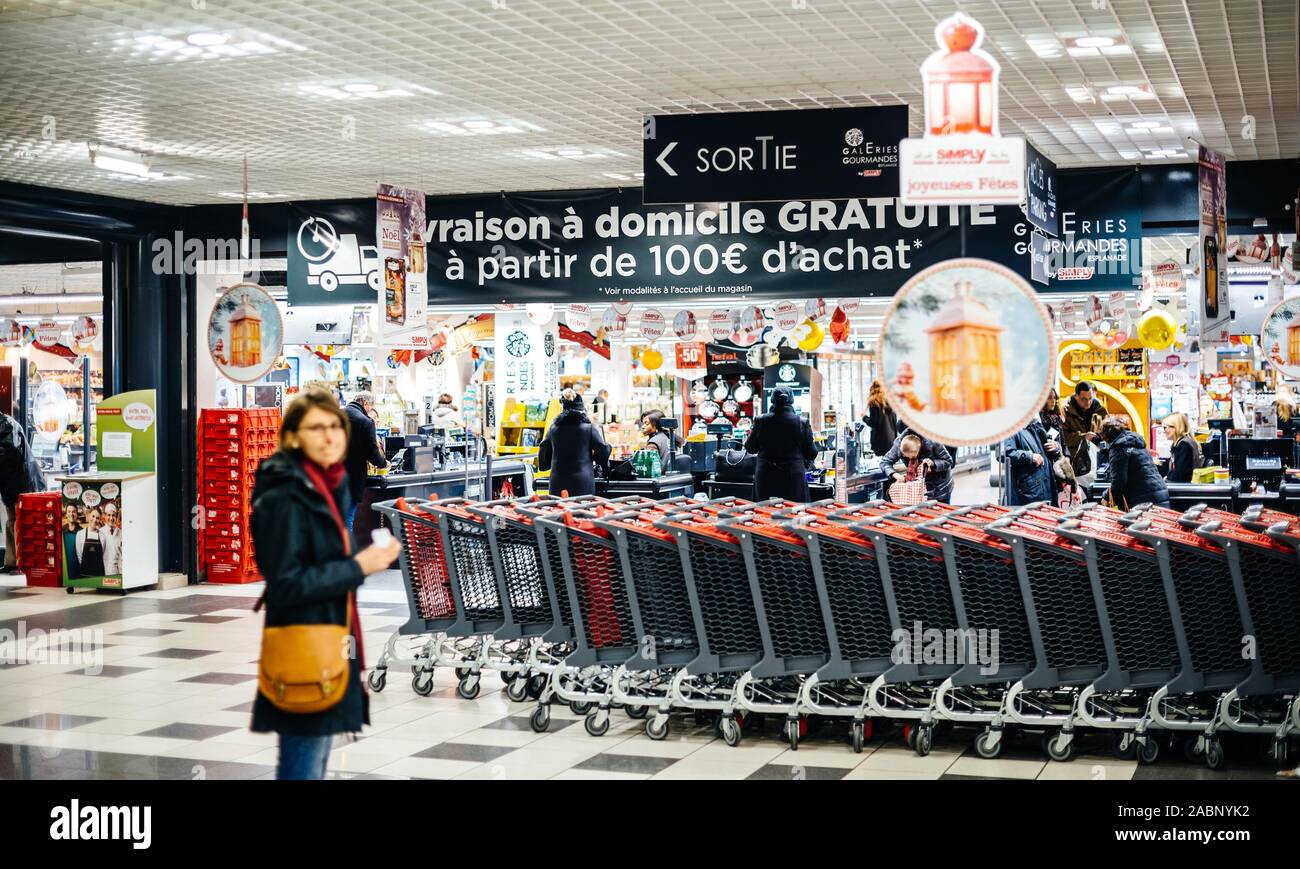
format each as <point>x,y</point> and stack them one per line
<point>540,719</point>
<point>517,690</point>
<point>422,684</point>
<point>1280,752</point>
<point>1148,750</point>
<point>858,733</point>
<point>70,589</point>
<point>792,733</point>
<point>509,676</point>
<point>1059,746</point>
<point>1214,757</point>
<point>597,723</point>
<point>468,688</point>
<point>730,730</point>
<point>1191,751</point>
<point>1124,746</point>
<point>377,679</point>
<point>579,707</point>
<point>909,736</point>
<point>462,672</point>
<point>535,685</point>
<point>657,728</point>
<point>987,745</point>
<point>636,712</point>
<point>924,740</point>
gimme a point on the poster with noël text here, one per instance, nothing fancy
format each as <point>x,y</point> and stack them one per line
<point>404,289</point>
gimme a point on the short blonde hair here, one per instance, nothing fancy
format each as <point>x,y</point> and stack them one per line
<point>1178,422</point>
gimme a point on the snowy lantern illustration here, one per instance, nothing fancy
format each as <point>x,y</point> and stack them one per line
<point>961,83</point>
<point>245,336</point>
<point>965,356</point>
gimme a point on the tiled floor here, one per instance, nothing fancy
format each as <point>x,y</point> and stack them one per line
<point>170,683</point>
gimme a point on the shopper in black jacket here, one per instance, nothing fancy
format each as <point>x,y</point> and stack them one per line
<point>880,419</point>
<point>933,460</point>
<point>20,473</point>
<point>783,442</point>
<point>1133,476</point>
<point>571,448</point>
<point>305,554</point>
<point>363,449</point>
<point>1185,455</point>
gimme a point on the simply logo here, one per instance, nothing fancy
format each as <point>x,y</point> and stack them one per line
<point>74,822</point>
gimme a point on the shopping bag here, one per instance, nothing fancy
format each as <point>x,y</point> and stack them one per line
<point>908,492</point>
<point>1086,480</point>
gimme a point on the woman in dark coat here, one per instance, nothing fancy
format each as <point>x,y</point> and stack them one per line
<point>783,442</point>
<point>880,419</point>
<point>1134,478</point>
<point>304,551</point>
<point>1029,461</point>
<point>923,456</point>
<point>571,448</point>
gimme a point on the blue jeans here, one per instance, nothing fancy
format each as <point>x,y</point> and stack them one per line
<point>351,516</point>
<point>303,757</point>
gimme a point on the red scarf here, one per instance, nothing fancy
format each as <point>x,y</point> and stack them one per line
<point>327,481</point>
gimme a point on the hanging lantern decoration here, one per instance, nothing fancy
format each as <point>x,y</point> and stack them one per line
<point>684,325</point>
<point>539,313</point>
<point>11,333</point>
<point>614,323</point>
<point>809,336</point>
<point>651,359</point>
<point>623,308</point>
<point>815,309</point>
<point>840,326</point>
<point>961,85</point>
<point>1157,330</point>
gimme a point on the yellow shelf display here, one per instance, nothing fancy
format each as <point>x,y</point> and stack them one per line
<point>1120,378</point>
<point>524,424</point>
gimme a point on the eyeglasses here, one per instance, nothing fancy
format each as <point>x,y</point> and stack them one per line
<point>321,429</point>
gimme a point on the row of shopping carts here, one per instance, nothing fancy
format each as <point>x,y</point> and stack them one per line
<point>1031,619</point>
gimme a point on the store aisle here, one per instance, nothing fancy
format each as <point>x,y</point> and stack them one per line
<point>172,702</point>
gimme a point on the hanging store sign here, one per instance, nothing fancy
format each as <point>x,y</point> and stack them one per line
<point>1100,245</point>
<point>962,159</point>
<point>48,332</point>
<point>691,356</point>
<point>245,333</point>
<point>1213,187</point>
<point>757,156</point>
<point>332,255</point>
<point>403,299</point>
<point>1040,191</point>
<point>527,360</point>
<point>12,333</point>
<point>1040,251</point>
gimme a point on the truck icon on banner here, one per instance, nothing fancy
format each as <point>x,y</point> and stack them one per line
<point>334,259</point>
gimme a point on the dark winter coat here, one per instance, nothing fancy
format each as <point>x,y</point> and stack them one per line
<point>1184,457</point>
<point>308,577</point>
<point>20,471</point>
<point>362,448</point>
<point>938,481</point>
<point>1027,482</point>
<point>884,428</point>
<point>1077,424</point>
<point>783,442</point>
<point>569,450</point>
<point>1134,478</point>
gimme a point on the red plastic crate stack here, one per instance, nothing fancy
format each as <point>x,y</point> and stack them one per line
<point>40,538</point>
<point>231,445</point>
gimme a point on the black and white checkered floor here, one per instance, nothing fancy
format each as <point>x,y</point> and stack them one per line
<point>177,680</point>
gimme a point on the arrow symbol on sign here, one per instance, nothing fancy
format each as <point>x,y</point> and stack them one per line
<point>664,153</point>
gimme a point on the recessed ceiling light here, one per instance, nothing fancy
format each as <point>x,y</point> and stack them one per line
<point>206,39</point>
<point>1095,41</point>
<point>361,87</point>
<point>1079,94</point>
<point>569,152</point>
<point>1123,89</point>
<point>121,162</point>
<point>1144,125</point>
<point>478,125</point>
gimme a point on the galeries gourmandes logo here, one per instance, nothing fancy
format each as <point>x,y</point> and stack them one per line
<point>867,158</point>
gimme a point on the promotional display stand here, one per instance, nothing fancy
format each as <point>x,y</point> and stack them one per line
<point>109,525</point>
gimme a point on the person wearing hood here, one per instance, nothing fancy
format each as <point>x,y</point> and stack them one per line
<point>1134,478</point>
<point>362,449</point>
<point>1185,454</point>
<point>571,448</point>
<point>1029,456</point>
<point>305,553</point>
<point>783,442</point>
<point>445,415</point>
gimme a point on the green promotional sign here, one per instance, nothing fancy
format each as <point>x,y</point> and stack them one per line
<point>125,425</point>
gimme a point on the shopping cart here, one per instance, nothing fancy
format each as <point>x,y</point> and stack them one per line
<point>1137,628</point>
<point>1064,627</point>
<point>428,593</point>
<point>1265,569</point>
<point>990,609</point>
